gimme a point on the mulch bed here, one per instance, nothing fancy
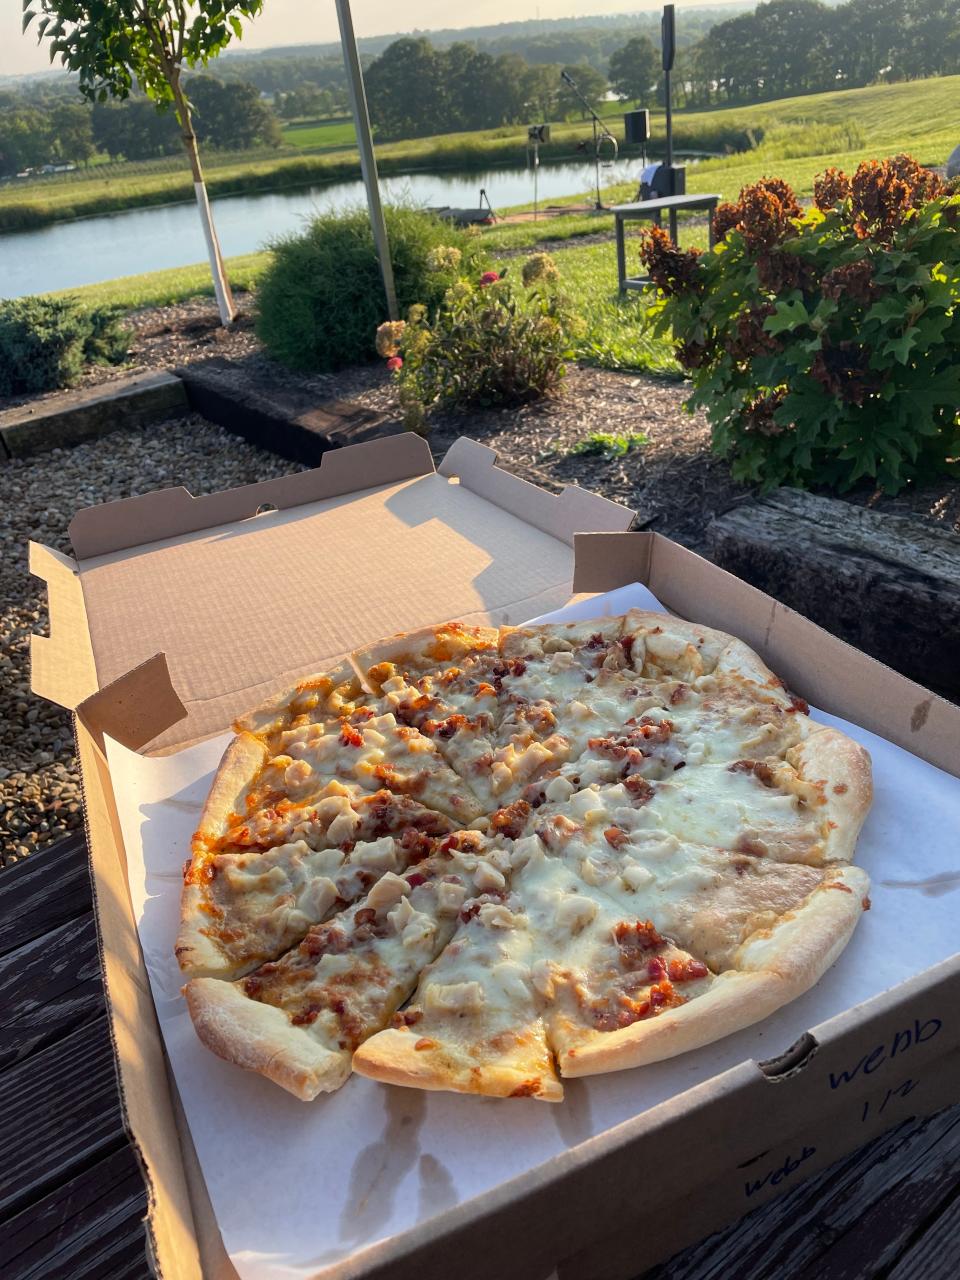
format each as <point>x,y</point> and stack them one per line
<point>673,482</point>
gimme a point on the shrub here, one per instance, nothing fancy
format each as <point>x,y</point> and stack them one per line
<point>45,342</point>
<point>823,347</point>
<point>321,298</point>
<point>493,342</point>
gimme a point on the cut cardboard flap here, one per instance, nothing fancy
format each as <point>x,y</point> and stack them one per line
<point>172,513</point>
<point>818,666</point>
<point>62,668</point>
<point>562,515</point>
<point>136,707</point>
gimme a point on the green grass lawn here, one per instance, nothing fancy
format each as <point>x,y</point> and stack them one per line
<point>333,133</point>
<point>802,136</point>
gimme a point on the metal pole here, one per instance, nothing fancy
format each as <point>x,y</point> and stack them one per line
<point>668,95</point>
<point>368,161</point>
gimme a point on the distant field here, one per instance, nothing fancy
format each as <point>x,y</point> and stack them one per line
<point>798,137</point>
<point>335,133</point>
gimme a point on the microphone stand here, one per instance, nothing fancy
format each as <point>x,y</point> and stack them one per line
<point>599,130</point>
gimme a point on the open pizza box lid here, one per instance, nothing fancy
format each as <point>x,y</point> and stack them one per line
<point>179,613</point>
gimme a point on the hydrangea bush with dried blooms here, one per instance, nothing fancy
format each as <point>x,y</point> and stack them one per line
<point>824,346</point>
<point>494,341</point>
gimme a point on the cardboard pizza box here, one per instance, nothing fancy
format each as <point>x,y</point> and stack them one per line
<point>179,612</point>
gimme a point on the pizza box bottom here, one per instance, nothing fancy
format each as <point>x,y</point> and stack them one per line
<point>499,1193</point>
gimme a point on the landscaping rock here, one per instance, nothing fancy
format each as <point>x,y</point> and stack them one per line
<point>888,584</point>
<point>72,417</point>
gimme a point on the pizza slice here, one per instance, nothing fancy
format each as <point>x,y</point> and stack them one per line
<point>475,1024</point>
<point>298,1019</point>
<point>244,904</point>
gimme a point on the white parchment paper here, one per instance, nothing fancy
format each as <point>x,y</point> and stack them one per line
<point>296,1186</point>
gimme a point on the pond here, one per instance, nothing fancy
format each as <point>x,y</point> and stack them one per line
<point>89,250</point>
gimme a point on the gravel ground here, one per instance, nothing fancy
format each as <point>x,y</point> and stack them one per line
<point>39,777</point>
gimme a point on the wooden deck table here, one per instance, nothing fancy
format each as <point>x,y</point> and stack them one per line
<point>653,211</point>
<point>72,1199</point>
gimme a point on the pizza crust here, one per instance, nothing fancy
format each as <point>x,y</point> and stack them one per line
<point>260,1038</point>
<point>271,714</point>
<point>392,1057</point>
<point>774,967</point>
<point>421,650</point>
<point>829,757</point>
<point>197,954</point>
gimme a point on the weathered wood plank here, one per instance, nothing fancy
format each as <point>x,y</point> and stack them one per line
<point>816,1229</point>
<point>89,1229</point>
<point>44,891</point>
<point>48,987</point>
<point>888,584</point>
<point>59,1112</point>
<point>937,1246</point>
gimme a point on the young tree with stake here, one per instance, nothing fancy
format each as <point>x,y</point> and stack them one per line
<point>112,44</point>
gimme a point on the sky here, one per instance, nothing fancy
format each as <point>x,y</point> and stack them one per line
<point>287,22</point>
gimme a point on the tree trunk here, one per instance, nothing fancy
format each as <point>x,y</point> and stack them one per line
<point>221,285</point>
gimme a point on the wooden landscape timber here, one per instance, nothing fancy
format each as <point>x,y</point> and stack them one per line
<point>888,584</point>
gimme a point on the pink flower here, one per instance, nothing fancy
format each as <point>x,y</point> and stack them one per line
<point>394,363</point>
<point>489,277</point>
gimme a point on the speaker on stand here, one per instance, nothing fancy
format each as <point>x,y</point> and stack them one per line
<point>636,131</point>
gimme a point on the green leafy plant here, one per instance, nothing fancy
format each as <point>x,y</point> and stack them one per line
<point>45,342</point>
<point>823,346</point>
<point>608,444</point>
<point>494,341</point>
<point>321,298</point>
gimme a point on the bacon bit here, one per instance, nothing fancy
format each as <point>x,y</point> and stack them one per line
<point>596,641</point>
<point>511,820</point>
<point>424,1043</point>
<point>396,782</point>
<point>615,837</point>
<point>415,844</point>
<point>635,939</point>
<point>631,692</point>
<point>681,764</point>
<point>641,792</point>
<point>687,970</point>
<point>834,885</point>
<point>840,789</point>
<point>657,968</point>
<point>306,1016</point>
<point>445,728</point>
<point>416,880</point>
<point>252,987</point>
<point>866,903</point>
<point>350,737</point>
<point>323,939</point>
<point>751,846</point>
<point>759,768</point>
<point>407,1018</point>
<point>798,704</point>
<point>528,1089</point>
<point>626,644</point>
<point>366,915</point>
<point>679,693</point>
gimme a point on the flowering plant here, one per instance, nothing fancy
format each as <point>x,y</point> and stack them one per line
<point>493,341</point>
<point>823,346</point>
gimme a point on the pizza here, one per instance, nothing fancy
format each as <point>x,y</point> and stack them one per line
<point>486,859</point>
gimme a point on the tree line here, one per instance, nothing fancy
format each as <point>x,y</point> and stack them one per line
<point>781,49</point>
<point>49,128</point>
<point>792,47</point>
